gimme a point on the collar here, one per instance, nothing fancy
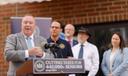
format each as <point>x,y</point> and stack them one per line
<point>32,36</point>
<point>68,39</point>
<point>85,43</point>
<point>50,40</point>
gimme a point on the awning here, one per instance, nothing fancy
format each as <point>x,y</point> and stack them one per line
<point>3,2</point>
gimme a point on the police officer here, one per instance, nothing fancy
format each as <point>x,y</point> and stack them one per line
<point>62,49</point>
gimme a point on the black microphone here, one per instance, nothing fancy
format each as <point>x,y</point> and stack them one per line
<point>51,45</point>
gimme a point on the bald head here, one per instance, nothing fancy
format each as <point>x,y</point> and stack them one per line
<point>69,30</point>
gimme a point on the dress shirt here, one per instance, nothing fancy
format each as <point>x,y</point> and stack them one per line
<point>90,56</point>
<point>71,41</point>
<point>112,55</point>
<point>33,45</point>
<point>32,41</point>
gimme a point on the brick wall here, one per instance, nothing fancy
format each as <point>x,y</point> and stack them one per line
<point>67,11</point>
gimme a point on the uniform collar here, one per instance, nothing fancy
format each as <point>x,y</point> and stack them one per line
<point>50,40</point>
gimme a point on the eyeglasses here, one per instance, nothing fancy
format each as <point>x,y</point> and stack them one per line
<point>55,27</point>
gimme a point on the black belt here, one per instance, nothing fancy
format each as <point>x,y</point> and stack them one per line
<point>83,74</point>
<point>86,72</point>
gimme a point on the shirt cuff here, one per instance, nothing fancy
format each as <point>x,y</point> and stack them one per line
<point>26,54</point>
<point>43,55</point>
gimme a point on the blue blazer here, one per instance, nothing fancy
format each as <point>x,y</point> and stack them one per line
<point>120,63</point>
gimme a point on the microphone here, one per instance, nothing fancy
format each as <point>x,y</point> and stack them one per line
<point>55,49</point>
<point>42,44</point>
<point>51,45</point>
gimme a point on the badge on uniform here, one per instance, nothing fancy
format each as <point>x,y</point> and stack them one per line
<point>62,46</point>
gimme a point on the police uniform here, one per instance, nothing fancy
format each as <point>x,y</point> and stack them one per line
<point>63,50</point>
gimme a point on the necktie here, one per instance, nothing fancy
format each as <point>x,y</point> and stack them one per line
<point>29,42</point>
<point>69,41</point>
<point>81,51</point>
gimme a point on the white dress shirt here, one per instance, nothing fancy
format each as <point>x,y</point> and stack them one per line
<point>32,41</point>
<point>90,56</point>
<point>33,45</point>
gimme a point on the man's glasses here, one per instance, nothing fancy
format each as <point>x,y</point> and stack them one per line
<point>55,27</point>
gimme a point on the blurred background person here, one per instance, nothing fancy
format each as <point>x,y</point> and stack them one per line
<point>115,60</point>
<point>23,46</point>
<point>87,51</point>
<point>69,31</point>
<point>62,35</point>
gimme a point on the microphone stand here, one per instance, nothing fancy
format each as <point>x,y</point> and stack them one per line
<point>53,50</point>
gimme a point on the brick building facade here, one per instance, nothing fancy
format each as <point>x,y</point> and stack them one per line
<point>67,11</point>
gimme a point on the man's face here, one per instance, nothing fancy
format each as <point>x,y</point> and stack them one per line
<point>28,25</point>
<point>55,29</point>
<point>69,30</point>
<point>82,37</point>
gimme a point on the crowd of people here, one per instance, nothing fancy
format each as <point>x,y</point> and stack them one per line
<point>26,45</point>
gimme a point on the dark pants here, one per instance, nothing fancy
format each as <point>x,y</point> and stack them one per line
<point>83,74</point>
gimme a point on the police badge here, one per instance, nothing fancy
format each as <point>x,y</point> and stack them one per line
<point>62,46</point>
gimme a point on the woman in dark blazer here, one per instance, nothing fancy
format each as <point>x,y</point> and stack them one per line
<point>115,60</point>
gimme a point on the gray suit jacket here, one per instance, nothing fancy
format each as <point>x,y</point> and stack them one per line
<point>15,47</point>
<point>120,63</point>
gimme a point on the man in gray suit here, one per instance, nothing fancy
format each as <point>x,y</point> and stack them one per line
<point>25,45</point>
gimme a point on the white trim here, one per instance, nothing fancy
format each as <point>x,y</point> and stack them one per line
<point>35,17</point>
<point>4,2</point>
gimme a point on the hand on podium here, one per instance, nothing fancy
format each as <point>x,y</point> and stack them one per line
<point>36,51</point>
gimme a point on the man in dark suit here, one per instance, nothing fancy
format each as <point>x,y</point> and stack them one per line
<point>64,49</point>
<point>69,33</point>
<point>23,46</point>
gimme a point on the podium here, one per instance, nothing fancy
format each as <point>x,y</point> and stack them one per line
<point>35,67</point>
<point>25,69</point>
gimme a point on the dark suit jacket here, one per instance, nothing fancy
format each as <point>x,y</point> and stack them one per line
<point>75,42</point>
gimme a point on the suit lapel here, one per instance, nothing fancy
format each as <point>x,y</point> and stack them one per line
<point>117,55</point>
<point>108,58</point>
<point>74,42</point>
<point>22,40</point>
<point>36,41</point>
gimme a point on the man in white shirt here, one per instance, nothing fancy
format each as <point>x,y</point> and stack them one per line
<point>89,53</point>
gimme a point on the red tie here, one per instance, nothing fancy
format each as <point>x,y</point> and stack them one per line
<point>69,41</point>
